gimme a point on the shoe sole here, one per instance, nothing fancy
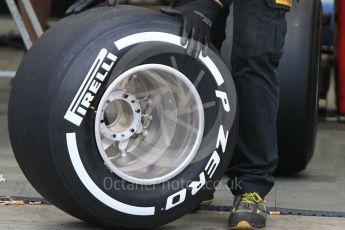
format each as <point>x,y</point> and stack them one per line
<point>244,225</point>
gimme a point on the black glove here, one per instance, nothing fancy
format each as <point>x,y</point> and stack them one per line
<point>198,18</point>
<point>82,5</point>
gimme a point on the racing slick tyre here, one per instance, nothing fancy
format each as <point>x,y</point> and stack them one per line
<point>299,72</point>
<point>113,123</point>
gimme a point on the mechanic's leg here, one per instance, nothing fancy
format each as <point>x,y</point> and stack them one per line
<point>259,35</point>
<point>42,9</point>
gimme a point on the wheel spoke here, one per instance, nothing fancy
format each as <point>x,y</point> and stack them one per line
<point>123,147</point>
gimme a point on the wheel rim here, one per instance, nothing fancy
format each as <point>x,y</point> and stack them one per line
<point>149,124</point>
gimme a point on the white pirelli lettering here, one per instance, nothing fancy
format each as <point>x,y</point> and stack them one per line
<point>212,164</point>
<point>222,138</point>
<point>176,199</point>
<point>224,98</point>
<point>99,71</point>
<point>197,185</point>
<point>95,85</point>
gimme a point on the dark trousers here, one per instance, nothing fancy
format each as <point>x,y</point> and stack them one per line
<point>259,35</point>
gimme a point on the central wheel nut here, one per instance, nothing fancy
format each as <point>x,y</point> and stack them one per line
<point>121,116</point>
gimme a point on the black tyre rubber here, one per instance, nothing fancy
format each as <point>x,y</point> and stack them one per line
<point>46,144</point>
<point>299,77</point>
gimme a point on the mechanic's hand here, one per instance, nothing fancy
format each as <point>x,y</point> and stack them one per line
<point>82,5</point>
<point>198,17</point>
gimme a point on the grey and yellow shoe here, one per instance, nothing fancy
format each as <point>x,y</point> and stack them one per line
<point>249,213</point>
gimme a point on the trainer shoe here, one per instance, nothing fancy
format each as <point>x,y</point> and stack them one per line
<point>249,213</point>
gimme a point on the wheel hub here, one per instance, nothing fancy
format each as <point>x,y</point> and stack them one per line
<point>121,116</point>
<point>149,124</point>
